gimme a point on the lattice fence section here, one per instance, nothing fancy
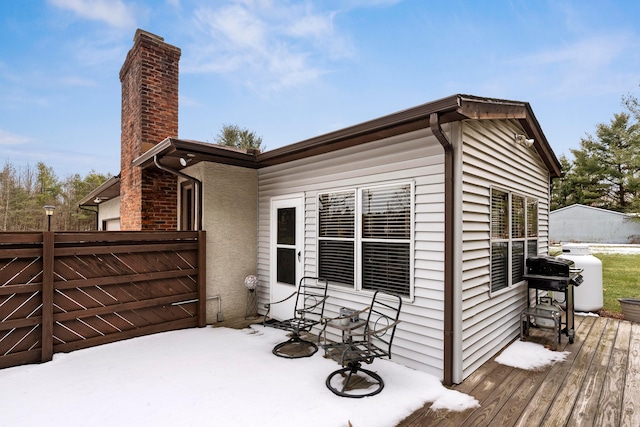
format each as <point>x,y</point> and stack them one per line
<point>20,298</point>
<point>77,290</point>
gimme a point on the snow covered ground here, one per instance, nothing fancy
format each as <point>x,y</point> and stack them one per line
<point>208,376</point>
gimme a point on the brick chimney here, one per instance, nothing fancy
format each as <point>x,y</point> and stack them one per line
<point>149,78</point>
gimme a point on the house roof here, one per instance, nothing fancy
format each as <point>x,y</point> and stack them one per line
<point>579,207</point>
<point>107,190</point>
<point>450,109</point>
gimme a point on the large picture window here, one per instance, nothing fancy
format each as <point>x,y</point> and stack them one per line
<point>364,238</point>
<point>514,237</point>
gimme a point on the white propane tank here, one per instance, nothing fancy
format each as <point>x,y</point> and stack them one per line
<point>588,296</point>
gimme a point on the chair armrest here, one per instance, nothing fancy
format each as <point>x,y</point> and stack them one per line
<point>268,306</point>
<point>301,310</point>
<point>369,332</point>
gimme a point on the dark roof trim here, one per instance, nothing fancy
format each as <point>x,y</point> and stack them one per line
<point>172,149</point>
<point>105,191</point>
<point>450,109</point>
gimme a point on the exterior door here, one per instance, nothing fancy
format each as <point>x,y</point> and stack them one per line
<point>286,252</point>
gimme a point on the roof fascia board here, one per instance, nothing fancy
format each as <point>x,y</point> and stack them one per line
<point>393,124</point>
<point>100,189</point>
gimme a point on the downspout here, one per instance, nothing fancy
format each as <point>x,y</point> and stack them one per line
<point>196,182</point>
<point>434,122</point>
<point>95,212</point>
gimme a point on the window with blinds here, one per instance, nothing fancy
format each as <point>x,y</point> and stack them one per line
<point>374,233</point>
<point>336,237</point>
<point>386,239</point>
<point>514,237</point>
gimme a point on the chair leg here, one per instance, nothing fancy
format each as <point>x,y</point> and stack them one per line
<point>295,348</point>
<point>353,385</point>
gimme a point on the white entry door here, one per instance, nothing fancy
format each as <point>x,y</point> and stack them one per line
<point>286,252</point>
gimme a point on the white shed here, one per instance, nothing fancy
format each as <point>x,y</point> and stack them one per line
<point>586,224</point>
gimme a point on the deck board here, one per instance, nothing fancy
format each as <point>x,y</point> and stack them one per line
<point>631,400</point>
<point>610,401</point>
<point>598,384</point>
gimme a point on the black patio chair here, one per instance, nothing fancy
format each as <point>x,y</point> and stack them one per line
<point>308,312</point>
<point>363,344</point>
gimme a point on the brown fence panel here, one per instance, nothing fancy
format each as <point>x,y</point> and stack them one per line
<point>20,298</point>
<point>67,291</point>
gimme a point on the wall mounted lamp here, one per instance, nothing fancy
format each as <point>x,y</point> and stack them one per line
<point>184,161</point>
<point>523,140</point>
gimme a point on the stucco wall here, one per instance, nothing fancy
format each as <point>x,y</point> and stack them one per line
<point>230,220</point>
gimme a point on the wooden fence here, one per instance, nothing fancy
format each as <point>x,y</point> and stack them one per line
<point>62,291</point>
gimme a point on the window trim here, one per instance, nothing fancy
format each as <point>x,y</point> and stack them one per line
<point>526,239</point>
<point>357,286</point>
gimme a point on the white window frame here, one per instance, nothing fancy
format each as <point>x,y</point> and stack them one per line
<point>527,238</point>
<point>358,236</point>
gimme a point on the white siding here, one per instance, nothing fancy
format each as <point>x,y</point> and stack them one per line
<point>417,157</point>
<point>490,157</point>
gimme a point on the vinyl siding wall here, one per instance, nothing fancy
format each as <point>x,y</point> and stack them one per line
<point>489,157</point>
<point>415,157</point>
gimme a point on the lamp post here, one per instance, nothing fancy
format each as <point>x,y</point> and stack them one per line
<point>49,211</point>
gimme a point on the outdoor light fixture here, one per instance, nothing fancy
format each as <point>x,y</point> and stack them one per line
<point>49,211</point>
<point>523,140</point>
<point>184,161</point>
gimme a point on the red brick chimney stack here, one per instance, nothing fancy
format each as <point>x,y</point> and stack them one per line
<point>149,78</point>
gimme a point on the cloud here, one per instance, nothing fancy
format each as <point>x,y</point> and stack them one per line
<point>267,45</point>
<point>7,138</point>
<point>589,65</point>
<point>112,12</point>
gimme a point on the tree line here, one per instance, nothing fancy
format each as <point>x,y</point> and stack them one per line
<point>605,170</point>
<point>25,190</point>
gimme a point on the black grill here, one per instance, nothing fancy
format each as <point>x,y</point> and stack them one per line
<point>551,273</point>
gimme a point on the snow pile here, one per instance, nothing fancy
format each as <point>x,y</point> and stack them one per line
<point>208,376</point>
<point>530,356</point>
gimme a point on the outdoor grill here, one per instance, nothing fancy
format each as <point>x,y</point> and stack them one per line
<point>547,273</point>
<point>551,273</point>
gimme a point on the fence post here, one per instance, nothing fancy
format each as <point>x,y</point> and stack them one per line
<point>47,295</point>
<point>202,278</point>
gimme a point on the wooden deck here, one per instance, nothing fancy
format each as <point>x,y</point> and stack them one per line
<point>598,385</point>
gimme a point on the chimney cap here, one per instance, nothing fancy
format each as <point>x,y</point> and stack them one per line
<point>140,32</point>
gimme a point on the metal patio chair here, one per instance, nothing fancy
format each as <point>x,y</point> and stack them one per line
<point>308,312</point>
<point>362,344</point>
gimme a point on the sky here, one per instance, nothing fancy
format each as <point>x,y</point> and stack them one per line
<point>205,377</point>
<point>291,70</point>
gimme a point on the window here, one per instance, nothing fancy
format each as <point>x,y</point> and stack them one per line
<point>365,236</point>
<point>336,237</point>
<point>514,237</point>
<point>187,207</point>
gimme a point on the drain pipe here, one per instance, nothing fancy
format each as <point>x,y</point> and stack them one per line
<point>95,212</point>
<point>434,122</point>
<point>219,316</point>
<point>197,183</point>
